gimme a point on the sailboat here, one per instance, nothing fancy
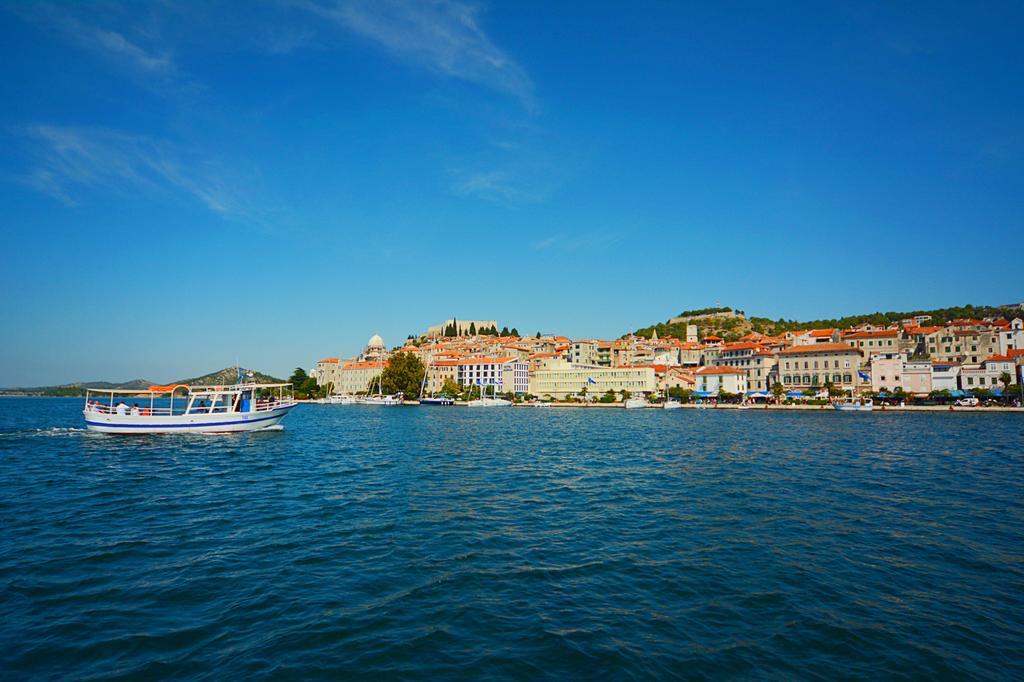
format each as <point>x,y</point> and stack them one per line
<point>380,398</point>
<point>671,403</point>
<point>493,401</point>
<point>433,399</point>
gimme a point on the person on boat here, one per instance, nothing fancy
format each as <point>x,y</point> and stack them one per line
<point>135,410</point>
<point>121,408</point>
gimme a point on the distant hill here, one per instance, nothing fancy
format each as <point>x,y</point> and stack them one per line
<point>229,375</point>
<point>77,388</point>
<point>732,324</point>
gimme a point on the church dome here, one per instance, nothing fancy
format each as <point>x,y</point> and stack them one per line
<point>375,342</point>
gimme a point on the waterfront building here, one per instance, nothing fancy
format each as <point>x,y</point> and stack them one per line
<point>917,377</point>
<point>439,372</point>
<point>945,376</point>
<point>720,378</point>
<point>1012,337</point>
<point>325,372</point>
<point>987,374</point>
<point>755,361</point>
<point>356,376</point>
<point>886,372</point>
<point>809,366</point>
<point>504,375</point>
<point>560,379</point>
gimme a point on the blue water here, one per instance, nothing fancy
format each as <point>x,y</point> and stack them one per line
<point>445,542</point>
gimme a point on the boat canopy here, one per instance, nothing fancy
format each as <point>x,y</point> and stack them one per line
<point>166,389</point>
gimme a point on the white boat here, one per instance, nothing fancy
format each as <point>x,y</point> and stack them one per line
<point>672,404</point>
<point>635,403</point>
<point>381,400</point>
<point>489,402</point>
<point>854,405</point>
<point>340,400</point>
<point>181,408</point>
<point>437,400</point>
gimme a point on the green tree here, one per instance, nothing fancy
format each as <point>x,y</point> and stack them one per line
<point>298,377</point>
<point>538,335</point>
<point>504,331</point>
<point>608,397</point>
<point>450,388</point>
<point>1005,379</point>
<point>778,390</point>
<point>680,393</point>
<point>403,374</point>
<point>308,389</point>
<point>472,328</point>
<point>514,332</point>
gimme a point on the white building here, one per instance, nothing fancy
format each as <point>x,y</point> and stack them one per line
<point>945,376</point>
<point>503,375</point>
<point>1012,338</point>
<point>560,379</point>
<point>719,378</point>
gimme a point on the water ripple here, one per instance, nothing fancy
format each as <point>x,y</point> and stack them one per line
<point>519,543</point>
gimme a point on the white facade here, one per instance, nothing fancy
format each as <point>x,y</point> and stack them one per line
<point>503,375</point>
<point>562,379</point>
<point>1012,338</point>
<point>716,379</point>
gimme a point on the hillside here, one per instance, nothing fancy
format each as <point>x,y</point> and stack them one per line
<point>229,375</point>
<point>718,321</point>
<point>76,388</point>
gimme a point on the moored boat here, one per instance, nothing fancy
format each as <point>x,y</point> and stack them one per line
<point>854,404</point>
<point>439,400</point>
<point>635,403</point>
<point>181,408</point>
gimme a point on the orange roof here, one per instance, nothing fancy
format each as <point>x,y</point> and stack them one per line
<point>741,345</point>
<point>484,361</point>
<point>712,337</point>
<point>1000,358</point>
<point>325,360</point>
<point>1015,353</point>
<point>883,333</point>
<point>820,333</point>
<point>364,365</point>
<point>718,369</point>
<point>819,348</point>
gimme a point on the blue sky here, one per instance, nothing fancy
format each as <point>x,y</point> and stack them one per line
<point>187,184</point>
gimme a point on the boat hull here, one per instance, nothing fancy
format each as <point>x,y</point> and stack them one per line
<point>853,408</point>
<point>436,401</point>
<point>191,423</point>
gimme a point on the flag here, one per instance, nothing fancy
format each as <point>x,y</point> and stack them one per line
<point>865,377</point>
<point>590,381</point>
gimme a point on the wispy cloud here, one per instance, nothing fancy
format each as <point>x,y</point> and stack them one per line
<point>441,35</point>
<point>599,239</point>
<point>66,160</point>
<point>497,185</point>
<point>79,26</point>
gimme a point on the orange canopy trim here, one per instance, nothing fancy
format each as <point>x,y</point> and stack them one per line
<point>166,389</point>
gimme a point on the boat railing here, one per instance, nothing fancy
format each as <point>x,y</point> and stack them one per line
<point>147,411</point>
